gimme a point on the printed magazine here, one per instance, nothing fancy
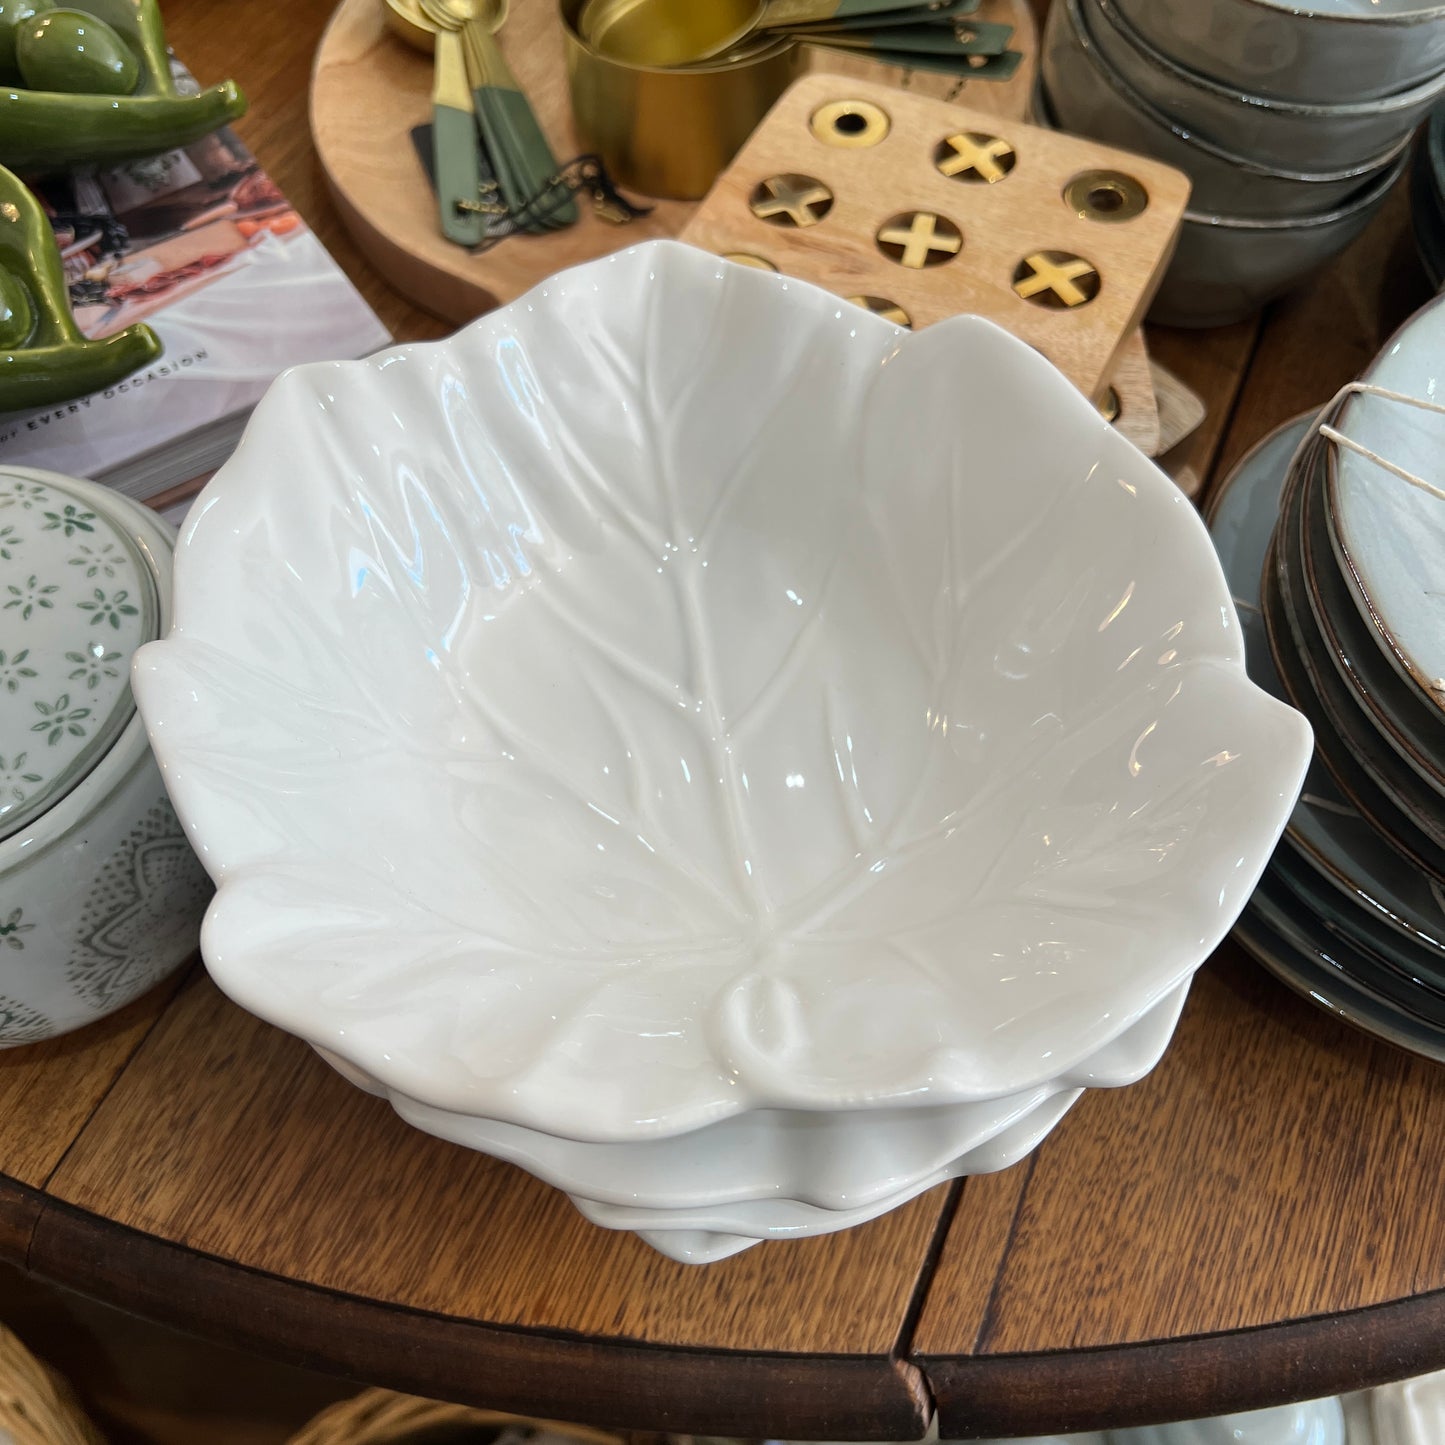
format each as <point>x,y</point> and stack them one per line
<point>201,245</point>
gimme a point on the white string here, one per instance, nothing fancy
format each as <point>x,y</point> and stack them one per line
<point>1341,440</point>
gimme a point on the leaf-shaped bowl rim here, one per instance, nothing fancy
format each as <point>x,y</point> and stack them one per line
<point>1282,736</point>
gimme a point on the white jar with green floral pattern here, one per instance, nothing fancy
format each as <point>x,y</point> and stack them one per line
<point>100,894</point>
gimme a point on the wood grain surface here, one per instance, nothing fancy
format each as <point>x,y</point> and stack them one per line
<point>231,1139</point>
<point>268,50</point>
<point>1268,1176</point>
<point>1276,1168</point>
<point>1133,382</point>
<point>1256,1221</point>
<point>369,91</point>
<point>996,227</point>
<point>1326,335</point>
<point>1213,365</point>
<point>20,1207</point>
<point>55,1086</point>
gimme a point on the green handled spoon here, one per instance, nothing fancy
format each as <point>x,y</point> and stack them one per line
<point>963,38</point>
<point>456,150</point>
<point>525,166</point>
<point>456,154</point>
<point>918,15</point>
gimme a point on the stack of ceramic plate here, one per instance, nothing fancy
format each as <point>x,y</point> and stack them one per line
<point>1427,199</point>
<point>1292,120</point>
<point>1338,562</point>
<point>709,747</point>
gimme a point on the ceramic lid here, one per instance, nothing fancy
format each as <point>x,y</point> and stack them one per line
<point>76,599</point>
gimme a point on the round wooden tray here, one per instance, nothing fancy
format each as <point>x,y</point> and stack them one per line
<point>368,91</point>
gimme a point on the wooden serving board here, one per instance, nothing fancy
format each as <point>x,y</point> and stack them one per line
<point>939,210</point>
<point>1136,408</point>
<point>368,91</point>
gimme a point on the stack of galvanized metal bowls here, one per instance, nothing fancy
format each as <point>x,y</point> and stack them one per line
<point>1292,119</point>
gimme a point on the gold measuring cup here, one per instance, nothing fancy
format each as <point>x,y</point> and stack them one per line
<point>668,131</point>
<point>687,32</point>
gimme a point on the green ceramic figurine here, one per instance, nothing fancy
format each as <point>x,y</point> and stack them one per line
<point>44,358</point>
<point>91,82</point>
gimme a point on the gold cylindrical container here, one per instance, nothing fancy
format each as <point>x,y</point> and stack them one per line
<point>669,132</point>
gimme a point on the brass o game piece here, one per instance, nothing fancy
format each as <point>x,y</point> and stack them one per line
<point>1105,196</point>
<point>852,124</point>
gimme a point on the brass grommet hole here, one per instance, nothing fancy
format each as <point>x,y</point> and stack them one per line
<point>791,200</point>
<point>919,238</point>
<point>853,124</point>
<point>1105,196</point>
<point>973,156</point>
<point>1056,279</point>
<point>882,306</point>
<point>746,258</point>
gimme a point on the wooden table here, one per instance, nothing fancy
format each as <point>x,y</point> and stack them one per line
<point>1256,1221</point>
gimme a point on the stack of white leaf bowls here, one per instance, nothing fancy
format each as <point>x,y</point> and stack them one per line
<point>736,759</point>
<point>1292,118</point>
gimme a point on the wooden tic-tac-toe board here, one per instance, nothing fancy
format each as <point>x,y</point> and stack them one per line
<point>920,209</point>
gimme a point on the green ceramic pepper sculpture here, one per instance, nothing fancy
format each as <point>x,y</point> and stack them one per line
<point>44,359</point>
<point>72,51</point>
<point>48,129</point>
<point>12,14</point>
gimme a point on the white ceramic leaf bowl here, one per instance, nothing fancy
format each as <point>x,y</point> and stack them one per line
<point>681,693</point>
<point>791,1174</point>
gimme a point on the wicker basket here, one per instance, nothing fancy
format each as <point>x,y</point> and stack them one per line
<point>36,1405</point>
<point>379,1417</point>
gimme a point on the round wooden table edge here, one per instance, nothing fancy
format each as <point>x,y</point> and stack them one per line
<point>620,1384</point>
<point>1151,1382</point>
<point>20,1207</point>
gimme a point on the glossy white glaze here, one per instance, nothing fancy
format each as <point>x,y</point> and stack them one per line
<point>1393,534</point>
<point>680,693</point>
<point>704,1195</point>
<point>76,599</point>
<point>1411,1412</point>
<point>828,1160</point>
<point>1314,1422</point>
<point>100,895</point>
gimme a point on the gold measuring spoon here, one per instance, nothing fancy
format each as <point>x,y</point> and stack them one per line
<point>456,151</point>
<point>525,166</point>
